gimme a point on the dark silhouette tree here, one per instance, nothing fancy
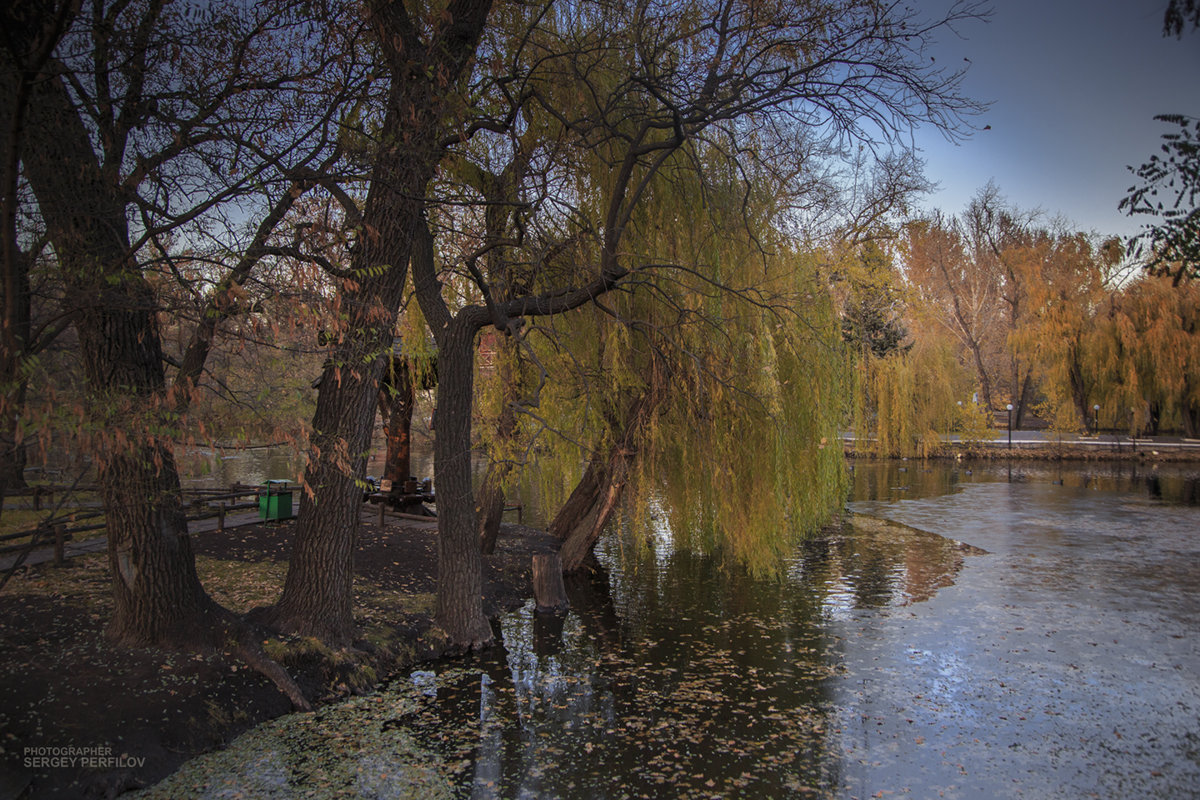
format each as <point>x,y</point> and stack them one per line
<point>139,122</point>
<point>1169,184</point>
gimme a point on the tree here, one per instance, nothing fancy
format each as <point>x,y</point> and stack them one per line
<point>1176,17</point>
<point>1072,278</point>
<point>871,321</point>
<point>960,293</point>
<point>980,270</point>
<point>32,34</point>
<point>629,89</point>
<point>1169,185</point>
<point>616,92</point>
<point>426,58</point>
<point>1169,188</point>
<point>143,120</point>
<point>1148,356</point>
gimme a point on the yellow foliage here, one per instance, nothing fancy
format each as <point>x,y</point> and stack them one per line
<point>742,454</point>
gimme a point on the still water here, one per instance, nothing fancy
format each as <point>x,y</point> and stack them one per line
<point>972,633</point>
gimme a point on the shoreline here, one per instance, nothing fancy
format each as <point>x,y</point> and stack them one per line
<point>1144,451</point>
<point>66,690</point>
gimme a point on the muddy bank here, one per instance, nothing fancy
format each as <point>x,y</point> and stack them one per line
<point>80,718</point>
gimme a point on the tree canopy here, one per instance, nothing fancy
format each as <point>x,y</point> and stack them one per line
<point>662,178</point>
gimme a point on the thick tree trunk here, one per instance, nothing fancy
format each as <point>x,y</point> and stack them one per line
<point>460,564</point>
<point>158,597</point>
<point>600,495</point>
<point>581,520</point>
<point>396,401</point>
<point>318,596</point>
<point>489,507</point>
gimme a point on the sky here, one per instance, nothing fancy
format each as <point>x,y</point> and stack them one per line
<point>1074,87</point>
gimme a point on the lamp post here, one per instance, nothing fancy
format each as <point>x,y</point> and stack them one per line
<point>1096,418</point>
<point>1009,407</point>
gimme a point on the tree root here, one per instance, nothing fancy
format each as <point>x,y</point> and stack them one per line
<point>252,653</point>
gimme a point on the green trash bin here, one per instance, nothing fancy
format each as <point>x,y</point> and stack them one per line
<point>276,502</point>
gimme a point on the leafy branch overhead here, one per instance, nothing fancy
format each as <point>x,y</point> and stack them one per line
<point>1168,184</point>
<point>1168,187</point>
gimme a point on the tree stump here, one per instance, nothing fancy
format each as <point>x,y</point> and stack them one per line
<point>549,592</point>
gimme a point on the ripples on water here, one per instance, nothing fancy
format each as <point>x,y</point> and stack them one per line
<point>1002,634</point>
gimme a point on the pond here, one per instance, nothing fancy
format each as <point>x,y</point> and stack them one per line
<point>972,632</point>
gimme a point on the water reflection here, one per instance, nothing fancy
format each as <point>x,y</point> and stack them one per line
<point>252,466</point>
<point>677,673</point>
<point>1176,484</point>
<point>886,660</point>
<point>870,563</point>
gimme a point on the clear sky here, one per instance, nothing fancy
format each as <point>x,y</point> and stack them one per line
<point>1074,86</point>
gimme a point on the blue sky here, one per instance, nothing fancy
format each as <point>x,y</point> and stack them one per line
<point>1073,87</point>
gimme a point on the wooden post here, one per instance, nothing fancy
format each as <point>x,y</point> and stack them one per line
<point>382,506</point>
<point>60,538</point>
<point>221,517</point>
<point>549,592</point>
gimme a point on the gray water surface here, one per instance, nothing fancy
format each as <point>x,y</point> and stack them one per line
<point>973,633</point>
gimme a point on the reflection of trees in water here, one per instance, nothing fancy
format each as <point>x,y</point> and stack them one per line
<point>679,673</point>
<point>891,480</point>
<point>870,563</point>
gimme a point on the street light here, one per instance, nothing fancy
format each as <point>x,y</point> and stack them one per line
<point>1096,417</point>
<point>1009,407</point>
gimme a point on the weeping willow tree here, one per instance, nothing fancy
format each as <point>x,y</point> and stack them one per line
<point>707,395</point>
<point>908,391</point>
<point>1148,357</point>
<point>1069,277</point>
<point>619,111</point>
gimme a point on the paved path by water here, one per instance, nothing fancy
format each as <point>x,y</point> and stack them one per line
<point>1104,443</point>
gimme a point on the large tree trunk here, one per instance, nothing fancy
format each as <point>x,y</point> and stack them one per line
<point>317,598</point>
<point>581,520</point>
<point>158,597</point>
<point>591,505</point>
<point>489,506</point>
<point>396,400</point>
<point>460,564</point>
